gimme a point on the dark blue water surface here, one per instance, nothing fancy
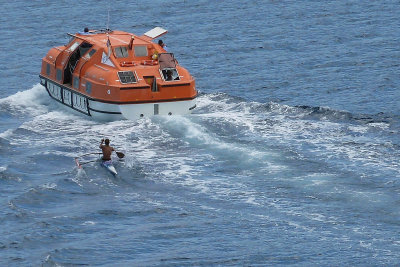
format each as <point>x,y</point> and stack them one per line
<point>291,158</point>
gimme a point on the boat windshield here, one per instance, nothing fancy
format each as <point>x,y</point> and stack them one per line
<point>121,51</point>
<point>73,47</point>
<point>84,47</point>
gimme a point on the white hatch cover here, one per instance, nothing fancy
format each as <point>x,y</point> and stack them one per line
<point>156,32</point>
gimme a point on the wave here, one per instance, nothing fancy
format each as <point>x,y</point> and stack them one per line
<point>35,102</point>
<point>31,102</point>
<point>319,133</point>
<point>224,102</point>
<point>227,129</point>
<point>339,115</point>
<point>256,156</point>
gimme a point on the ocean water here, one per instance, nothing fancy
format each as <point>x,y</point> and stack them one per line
<point>290,159</point>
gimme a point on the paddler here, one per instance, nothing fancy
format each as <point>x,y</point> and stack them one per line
<point>107,149</point>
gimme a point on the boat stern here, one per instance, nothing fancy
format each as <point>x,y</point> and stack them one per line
<point>137,111</point>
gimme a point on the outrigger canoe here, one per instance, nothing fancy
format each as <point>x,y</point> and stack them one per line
<point>109,166</point>
<point>106,164</point>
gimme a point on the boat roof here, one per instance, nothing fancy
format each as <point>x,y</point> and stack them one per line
<point>118,38</point>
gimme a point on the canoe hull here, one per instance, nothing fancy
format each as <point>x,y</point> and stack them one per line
<point>109,166</point>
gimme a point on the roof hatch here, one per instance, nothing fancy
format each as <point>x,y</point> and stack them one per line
<point>156,32</point>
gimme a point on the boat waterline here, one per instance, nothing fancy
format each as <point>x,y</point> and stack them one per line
<point>115,111</point>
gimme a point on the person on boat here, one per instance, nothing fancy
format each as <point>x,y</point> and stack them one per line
<point>107,149</point>
<point>85,31</point>
<point>161,43</point>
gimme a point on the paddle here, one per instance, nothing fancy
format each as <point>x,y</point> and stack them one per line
<point>86,162</point>
<point>89,154</point>
<point>119,154</point>
<point>79,164</point>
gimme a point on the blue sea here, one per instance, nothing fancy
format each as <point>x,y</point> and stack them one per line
<point>291,157</point>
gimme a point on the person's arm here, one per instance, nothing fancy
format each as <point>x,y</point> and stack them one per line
<point>101,144</point>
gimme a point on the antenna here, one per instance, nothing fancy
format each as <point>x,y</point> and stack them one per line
<point>108,18</point>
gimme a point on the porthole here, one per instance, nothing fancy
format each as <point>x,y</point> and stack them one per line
<point>59,75</point>
<point>48,69</point>
<point>88,87</point>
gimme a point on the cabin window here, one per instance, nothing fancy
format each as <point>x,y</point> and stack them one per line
<point>59,75</point>
<point>84,47</point>
<point>121,51</point>
<point>126,77</point>
<point>141,51</point>
<point>48,69</point>
<point>88,87</point>
<point>170,74</point>
<point>76,82</point>
<point>90,54</point>
<point>73,47</point>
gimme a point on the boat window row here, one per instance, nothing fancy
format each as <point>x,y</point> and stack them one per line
<point>88,85</point>
<point>169,74</point>
<point>125,77</point>
<point>119,52</point>
<point>122,51</point>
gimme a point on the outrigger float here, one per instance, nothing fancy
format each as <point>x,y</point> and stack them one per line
<point>115,75</point>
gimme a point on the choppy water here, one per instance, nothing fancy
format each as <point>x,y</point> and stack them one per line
<point>291,158</point>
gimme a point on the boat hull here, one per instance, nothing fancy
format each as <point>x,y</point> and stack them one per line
<point>103,110</point>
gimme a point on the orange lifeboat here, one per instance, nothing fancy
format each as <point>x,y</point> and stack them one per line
<point>116,75</point>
